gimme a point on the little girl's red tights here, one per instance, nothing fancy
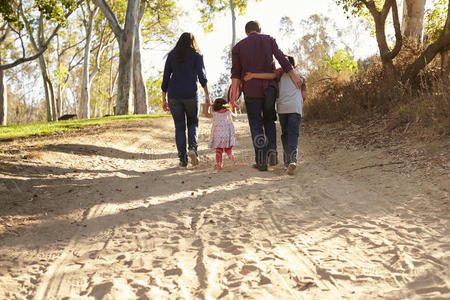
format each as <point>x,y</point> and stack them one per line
<point>219,151</point>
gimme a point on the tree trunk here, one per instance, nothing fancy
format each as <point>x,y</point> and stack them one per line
<point>3,99</point>
<point>48,102</point>
<point>85,98</point>
<point>233,24</point>
<point>125,38</point>
<point>445,63</point>
<point>140,91</point>
<point>386,54</point>
<point>441,44</point>
<point>412,23</point>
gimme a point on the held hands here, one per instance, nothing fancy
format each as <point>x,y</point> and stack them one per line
<point>248,76</point>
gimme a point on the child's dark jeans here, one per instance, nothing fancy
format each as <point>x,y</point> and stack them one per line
<point>290,128</point>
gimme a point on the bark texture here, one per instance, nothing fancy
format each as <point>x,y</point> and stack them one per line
<point>3,100</point>
<point>140,91</point>
<point>441,44</point>
<point>85,98</point>
<point>125,38</point>
<point>412,21</point>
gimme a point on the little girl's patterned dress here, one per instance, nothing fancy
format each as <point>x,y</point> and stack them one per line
<point>222,136</point>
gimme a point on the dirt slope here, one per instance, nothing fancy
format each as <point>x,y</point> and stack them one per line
<point>104,213</point>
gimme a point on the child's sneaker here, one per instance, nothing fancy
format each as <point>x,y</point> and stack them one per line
<point>193,157</point>
<point>291,168</point>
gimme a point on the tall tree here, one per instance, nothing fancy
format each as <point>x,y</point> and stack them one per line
<point>85,97</point>
<point>140,91</point>
<point>125,37</point>
<point>3,91</point>
<point>36,43</point>
<point>412,20</point>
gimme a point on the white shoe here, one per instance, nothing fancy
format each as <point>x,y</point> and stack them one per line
<point>291,169</point>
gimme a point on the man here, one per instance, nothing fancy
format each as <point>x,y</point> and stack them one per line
<point>255,54</point>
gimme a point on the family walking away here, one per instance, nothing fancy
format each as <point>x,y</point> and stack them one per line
<point>267,91</point>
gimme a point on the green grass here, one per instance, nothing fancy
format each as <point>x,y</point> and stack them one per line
<point>24,130</point>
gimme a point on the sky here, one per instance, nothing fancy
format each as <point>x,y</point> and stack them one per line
<point>268,13</point>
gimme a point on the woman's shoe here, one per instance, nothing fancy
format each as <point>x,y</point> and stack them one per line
<point>193,157</point>
<point>218,167</point>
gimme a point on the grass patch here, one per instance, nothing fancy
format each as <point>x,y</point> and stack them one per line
<point>24,130</point>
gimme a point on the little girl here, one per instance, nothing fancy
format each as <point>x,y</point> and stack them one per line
<point>222,131</point>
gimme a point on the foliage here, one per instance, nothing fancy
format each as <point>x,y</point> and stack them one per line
<point>46,128</point>
<point>435,19</point>
<point>52,10</point>
<point>210,8</point>
<point>158,21</point>
<point>342,61</point>
<point>153,85</point>
<point>316,42</point>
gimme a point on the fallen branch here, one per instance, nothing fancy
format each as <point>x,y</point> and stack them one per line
<point>379,165</point>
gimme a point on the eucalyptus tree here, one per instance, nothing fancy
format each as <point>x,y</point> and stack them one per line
<point>125,36</point>
<point>35,24</point>
<point>412,19</point>
<point>89,13</point>
<point>4,30</point>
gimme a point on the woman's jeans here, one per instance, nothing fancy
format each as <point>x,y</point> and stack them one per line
<point>185,111</point>
<point>290,129</point>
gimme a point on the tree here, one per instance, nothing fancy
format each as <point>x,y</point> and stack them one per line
<point>140,91</point>
<point>442,44</point>
<point>3,92</point>
<point>55,11</point>
<point>435,22</point>
<point>387,54</point>
<point>126,38</point>
<point>412,20</point>
<point>85,98</point>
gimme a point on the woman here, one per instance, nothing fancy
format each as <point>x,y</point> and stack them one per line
<point>184,65</point>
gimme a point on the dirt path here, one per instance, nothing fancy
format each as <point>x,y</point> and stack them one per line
<point>105,214</point>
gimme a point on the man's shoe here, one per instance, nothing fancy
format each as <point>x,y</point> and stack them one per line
<point>182,164</point>
<point>273,159</point>
<point>193,157</point>
<point>260,167</point>
<point>291,169</point>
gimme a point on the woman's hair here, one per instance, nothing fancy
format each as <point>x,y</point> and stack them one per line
<point>220,104</point>
<point>186,46</point>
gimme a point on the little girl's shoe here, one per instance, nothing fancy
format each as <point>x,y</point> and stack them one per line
<point>218,167</point>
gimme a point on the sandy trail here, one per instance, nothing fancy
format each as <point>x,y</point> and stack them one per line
<point>105,214</point>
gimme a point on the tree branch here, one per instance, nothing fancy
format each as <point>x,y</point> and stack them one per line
<point>5,35</point>
<point>110,16</point>
<point>398,33</point>
<point>41,50</point>
<point>428,55</point>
